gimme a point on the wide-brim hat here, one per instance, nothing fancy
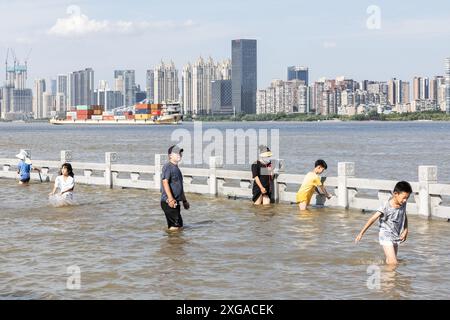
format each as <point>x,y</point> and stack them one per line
<point>22,155</point>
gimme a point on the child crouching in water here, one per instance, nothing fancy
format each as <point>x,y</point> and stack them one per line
<point>393,222</point>
<point>309,184</point>
<point>65,183</point>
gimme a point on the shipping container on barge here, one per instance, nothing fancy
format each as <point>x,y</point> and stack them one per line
<point>142,114</point>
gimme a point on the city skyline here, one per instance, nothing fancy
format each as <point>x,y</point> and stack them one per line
<point>145,33</point>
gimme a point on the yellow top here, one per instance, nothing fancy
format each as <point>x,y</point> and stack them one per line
<point>309,184</point>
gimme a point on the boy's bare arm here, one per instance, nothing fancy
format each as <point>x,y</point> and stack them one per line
<point>404,234</point>
<point>367,226</point>
<point>324,191</point>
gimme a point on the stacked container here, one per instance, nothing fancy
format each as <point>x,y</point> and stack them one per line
<point>108,115</point>
<point>84,112</point>
<point>71,115</point>
<point>142,111</point>
<point>98,110</point>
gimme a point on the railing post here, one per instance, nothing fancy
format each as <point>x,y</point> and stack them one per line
<point>427,176</point>
<point>160,159</point>
<point>110,158</point>
<point>214,163</point>
<point>66,156</point>
<point>345,170</point>
<point>278,167</point>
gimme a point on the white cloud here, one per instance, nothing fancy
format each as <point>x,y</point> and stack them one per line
<point>78,24</point>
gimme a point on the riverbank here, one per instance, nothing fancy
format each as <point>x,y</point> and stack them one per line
<point>373,116</point>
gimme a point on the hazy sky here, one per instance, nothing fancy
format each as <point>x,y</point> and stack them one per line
<point>331,37</point>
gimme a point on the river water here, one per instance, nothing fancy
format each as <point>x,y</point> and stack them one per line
<point>229,249</point>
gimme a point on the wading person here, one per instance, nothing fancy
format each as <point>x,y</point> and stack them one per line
<point>262,175</point>
<point>172,193</point>
<point>65,183</point>
<point>312,181</point>
<point>393,222</point>
<point>24,167</point>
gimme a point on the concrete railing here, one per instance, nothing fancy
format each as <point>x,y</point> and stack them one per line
<point>351,192</point>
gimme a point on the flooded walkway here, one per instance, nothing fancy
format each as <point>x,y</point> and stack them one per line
<point>229,250</point>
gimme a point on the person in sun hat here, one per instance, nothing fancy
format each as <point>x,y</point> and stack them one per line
<point>172,192</point>
<point>262,174</point>
<point>24,167</point>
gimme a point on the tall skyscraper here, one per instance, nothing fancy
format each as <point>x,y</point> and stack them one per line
<point>15,97</point>
<point>150,85</point>
<point>421,88</point>
<point>129,85</point>
<point>80,87</point>
<point>447,83</point>
<point>298,73</point>
<point>38,99</point>
<point>197,84</point>
<point>244,75</point>
<point>53,86</point>
<point>166,87</point>
<point>221,97</point>
<point>61,84</point>
<point>398,92</point>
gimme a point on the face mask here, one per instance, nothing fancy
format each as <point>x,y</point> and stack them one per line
<point>265,160</point>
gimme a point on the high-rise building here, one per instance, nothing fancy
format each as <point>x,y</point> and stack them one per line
<point>222,97</point>
<point>80,87</point>
<point>244,75</point>
<point>16,99</point>
<point>128,88</point>
<point>108,98</point>
<point>298,73</point>
<point>283,96</point>
<point>398,92</point>
<point>150,85</point>
<point>406,93</point>
<point>53,86</point>
<point>38,102</point>
<point>61,84</point>
<point>197,84</point>
<point>48,105</point>
<point>166,88</point>
<point>421,88</point>
<point>447,83</point>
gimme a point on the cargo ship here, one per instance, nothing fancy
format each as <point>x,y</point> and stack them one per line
<point>142,114</point>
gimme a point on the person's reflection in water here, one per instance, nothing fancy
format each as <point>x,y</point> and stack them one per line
<point>174,265</point>
<point>395,284</point>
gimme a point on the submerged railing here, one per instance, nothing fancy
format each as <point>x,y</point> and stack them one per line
<point>427,198</point>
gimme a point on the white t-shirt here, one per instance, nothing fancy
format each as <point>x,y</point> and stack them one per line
<point>64,185</point>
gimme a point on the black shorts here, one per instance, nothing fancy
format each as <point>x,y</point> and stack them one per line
<point>173,215</point>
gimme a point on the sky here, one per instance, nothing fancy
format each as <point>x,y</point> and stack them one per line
<point>359,39</point>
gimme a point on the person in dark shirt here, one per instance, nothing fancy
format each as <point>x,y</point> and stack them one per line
<point>172,192</point>
<point>262,175</point>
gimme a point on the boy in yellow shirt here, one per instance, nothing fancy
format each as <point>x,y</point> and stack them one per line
<point>309,184</point>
